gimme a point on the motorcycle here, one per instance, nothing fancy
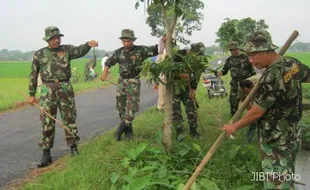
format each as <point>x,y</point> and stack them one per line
<point>214,84</point>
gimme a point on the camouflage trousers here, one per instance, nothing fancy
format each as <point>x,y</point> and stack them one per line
<point>278,159</point>
<point>233,98</point>
<point>190,110</point>
<point>53,96</point>
<point>128,98</point>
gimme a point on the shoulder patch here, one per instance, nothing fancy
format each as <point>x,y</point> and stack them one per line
<point>293,70</point>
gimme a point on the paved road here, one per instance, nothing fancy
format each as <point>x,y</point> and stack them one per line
<point>19,130</point>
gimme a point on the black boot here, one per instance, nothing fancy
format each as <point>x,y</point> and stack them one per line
<point>128,131</point>
<point>120,130</point>
<point>194,133</point>
<point>46,159</point>
<point>74,150</point>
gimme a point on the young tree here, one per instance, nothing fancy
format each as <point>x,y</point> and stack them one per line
<point>238,30</point>
<point>164,17</point>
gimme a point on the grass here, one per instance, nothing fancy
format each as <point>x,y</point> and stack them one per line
<point>102,158</point>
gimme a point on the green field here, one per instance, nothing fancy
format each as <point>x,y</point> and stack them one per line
<point>14,79</point>
<point>302,56</point>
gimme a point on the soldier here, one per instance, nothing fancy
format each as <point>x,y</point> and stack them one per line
<point>277,109</point>
<point>240,69</point>
<point>89,73</point>
<point>130,58</point>
<point>52,63</point>
<point>187,96</point>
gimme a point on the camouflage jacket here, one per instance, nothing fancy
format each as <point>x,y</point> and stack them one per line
<point>280,92</point>
<point>194,77</point>
<point>129,62</point>
<point>239,66</point>
<point>54,64</point>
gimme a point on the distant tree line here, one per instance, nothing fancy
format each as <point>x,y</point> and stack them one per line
<point>17,55</point>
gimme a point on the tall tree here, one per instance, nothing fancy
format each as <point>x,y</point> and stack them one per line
<point>164,17</point>
<point>238,30</point>
<point>187,22</point>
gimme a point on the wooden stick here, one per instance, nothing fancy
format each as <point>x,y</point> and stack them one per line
<point>42,110</point>
<point>114,83</point>
<point>236,117</point>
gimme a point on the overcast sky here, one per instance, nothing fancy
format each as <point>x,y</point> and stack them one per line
<point>23,21</point>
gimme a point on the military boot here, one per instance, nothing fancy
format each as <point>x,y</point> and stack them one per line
<point>194,133</point>
<point>74,150</point>
<point>46,159</point>
<point>120,130</point>
<point>128,131</point>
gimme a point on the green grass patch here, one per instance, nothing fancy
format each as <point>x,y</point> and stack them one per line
<point>143,163</point>
<point>304,57</point>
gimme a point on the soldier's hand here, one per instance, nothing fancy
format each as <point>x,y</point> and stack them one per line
<point>155,87</point>
<point>219,73</point>
<point>32,100</point>
<point>229,129</point>
<point>103,77</point>
<point>185,76</point>
<point>93,43</point>
<point>192,94</point>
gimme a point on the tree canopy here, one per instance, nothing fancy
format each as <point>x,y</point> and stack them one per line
<point>187,13</point>
<point>238,30</point>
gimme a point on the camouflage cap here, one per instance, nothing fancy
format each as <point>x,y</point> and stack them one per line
<point>233,45</point>
<point>50,32</point>
<point>259,41</point>
<point>128,34</point>
<point>198,48</point>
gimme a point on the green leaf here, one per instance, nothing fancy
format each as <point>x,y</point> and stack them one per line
<point>197,147</point>
<point>139,183</point>
<point>233,152</point>
<point>208,184</point>
<point>125,162</point>
<point>162,172</point>
<point>114,177</point>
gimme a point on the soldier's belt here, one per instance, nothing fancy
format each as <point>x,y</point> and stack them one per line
<point>129,76</point>
<point>55,81</point>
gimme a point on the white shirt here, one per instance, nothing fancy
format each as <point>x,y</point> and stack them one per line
<point>104,59</point>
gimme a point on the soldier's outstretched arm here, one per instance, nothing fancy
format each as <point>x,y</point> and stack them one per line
<point>305,73</point>
<point>81,50</point>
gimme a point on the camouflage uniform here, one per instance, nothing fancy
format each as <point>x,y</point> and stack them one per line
<point>128,91</point>
<point>279,132</point>
<point>182,95</point>
<point>53,65</point>
<point>87,72</point>
<point>240,69</point>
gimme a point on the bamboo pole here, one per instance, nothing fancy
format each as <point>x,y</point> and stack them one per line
<point>236,117</point>
<point>49,115</point>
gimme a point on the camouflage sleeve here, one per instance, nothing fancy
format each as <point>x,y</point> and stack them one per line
<point>304,73</point>
<point>148,51</point>
<point>194,80</point>
<point>112,60</point>
<point>33,78</point>
<point>79,51</point>
<point>266,95</point>
<point>226,67</point>
<point>252,70</point>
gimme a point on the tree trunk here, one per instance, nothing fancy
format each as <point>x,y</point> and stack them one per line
<point>167,132</point>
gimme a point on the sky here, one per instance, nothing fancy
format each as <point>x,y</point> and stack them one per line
<point>23,21</point>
